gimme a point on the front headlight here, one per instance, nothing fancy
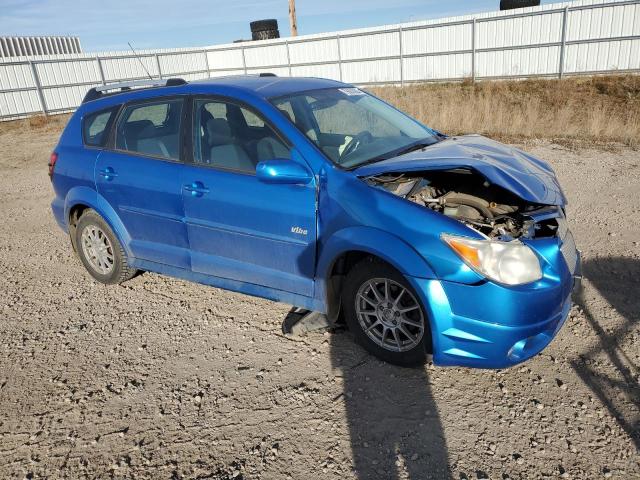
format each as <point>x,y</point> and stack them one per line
<point>509,263</point>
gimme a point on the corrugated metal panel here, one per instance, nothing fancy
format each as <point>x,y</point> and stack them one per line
<point>314,51</point>
<point>603,56</point>
<point>29,46</point>
<point>601,36</point>
<point>604,22</point>
<point>267,55</point>
<point>437,39</point>
<point>520,31</point>
<point>516,63</point>
<point>16,76</point>
<point>183,62</point>
<point>329,70</point>
<point>225,59</point>
<point>371,45</point>
<point>374,71</point>
<point>440,67</point>
<point>64,73</point>
<point>127,68</point>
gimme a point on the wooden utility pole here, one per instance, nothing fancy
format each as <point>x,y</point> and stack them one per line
<point>292,18</point>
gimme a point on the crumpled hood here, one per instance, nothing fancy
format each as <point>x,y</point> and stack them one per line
<point>524,175</point>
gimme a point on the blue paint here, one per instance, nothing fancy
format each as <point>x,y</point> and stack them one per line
<point>277,233</point>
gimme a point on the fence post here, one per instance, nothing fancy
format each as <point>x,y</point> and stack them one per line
<point>100,70</point>
<point>36,81</point>
<point>401,56</point>
<point>473,51</point>
<point>286,42</point>
<point>563,45</point>
<point>206,62</point>
<point>339,57</point>
<point>158,67</point>
<point>244,60</point>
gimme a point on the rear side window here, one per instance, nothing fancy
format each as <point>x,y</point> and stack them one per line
<point>95,128</point>
<point>151,129</point>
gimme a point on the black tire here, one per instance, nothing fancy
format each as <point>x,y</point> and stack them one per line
<point>265,35</point>
<point>262,25</point>
<point>120,270</point>
<point>511,4</point>
<point>363,272</point>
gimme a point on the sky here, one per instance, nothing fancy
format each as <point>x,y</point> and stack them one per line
<point>109,24</point>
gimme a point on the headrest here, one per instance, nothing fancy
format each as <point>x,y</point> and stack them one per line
<point>136,127</point>
<point>219,131</point>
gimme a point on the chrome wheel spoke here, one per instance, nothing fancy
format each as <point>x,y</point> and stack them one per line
<point>396,302</point>
<point>394,331</point>
<point>374,290</point>
<point>408,309</point>
<point>410,322</point>
<point>373,325</point>
<point>97,249</point>
<point>384,334</point>
<point>369,301</point>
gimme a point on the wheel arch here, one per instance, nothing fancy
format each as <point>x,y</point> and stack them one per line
<point>347,247</point>
<point>80,199</point>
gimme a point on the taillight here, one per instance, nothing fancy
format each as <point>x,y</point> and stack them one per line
<point>52,162</point>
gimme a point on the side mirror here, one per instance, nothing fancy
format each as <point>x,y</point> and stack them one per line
<point>283,172</point>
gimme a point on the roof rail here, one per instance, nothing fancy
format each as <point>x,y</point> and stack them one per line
<point>121,87</point>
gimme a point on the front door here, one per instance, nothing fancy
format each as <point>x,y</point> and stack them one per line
<point>140,179</point>
<point>240,228</point>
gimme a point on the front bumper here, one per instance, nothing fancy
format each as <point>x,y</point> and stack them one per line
<point>491,326</point>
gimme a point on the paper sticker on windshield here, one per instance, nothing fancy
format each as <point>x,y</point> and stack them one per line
<point>351,91</point>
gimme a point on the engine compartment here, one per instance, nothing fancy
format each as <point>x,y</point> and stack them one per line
<point>468,197</point>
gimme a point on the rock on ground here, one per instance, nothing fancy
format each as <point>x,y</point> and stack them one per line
<point>159,378</point>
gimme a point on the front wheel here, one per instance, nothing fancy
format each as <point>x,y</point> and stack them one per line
<point>384,313</point>
<point>100,251</point>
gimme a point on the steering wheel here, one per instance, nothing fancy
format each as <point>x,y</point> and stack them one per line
<point>356,142</point>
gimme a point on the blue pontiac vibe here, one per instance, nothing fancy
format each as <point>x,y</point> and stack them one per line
<point>315,193</point>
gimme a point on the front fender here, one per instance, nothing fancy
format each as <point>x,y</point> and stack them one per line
<point>92,199</point>
<point>370,240</point>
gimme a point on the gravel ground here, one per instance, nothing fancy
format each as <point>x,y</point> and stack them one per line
<point>159,378</point>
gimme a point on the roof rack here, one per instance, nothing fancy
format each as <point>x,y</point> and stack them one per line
<point>121,87</point>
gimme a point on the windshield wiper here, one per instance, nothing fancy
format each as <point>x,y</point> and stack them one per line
<point>412,147</point>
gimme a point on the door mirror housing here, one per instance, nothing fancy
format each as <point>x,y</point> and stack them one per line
<point>283,172</point>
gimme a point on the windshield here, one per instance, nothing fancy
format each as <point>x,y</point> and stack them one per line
<point>352,127</point>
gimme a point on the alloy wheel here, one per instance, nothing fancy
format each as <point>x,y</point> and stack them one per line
<point>389,314</point>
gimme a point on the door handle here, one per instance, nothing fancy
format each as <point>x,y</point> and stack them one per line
<point>108,173</point>
<point>197,189</point>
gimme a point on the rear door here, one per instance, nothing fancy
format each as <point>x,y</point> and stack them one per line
<point>240,228</point>
<point>140,178</point>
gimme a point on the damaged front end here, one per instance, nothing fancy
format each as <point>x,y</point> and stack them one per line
<point>469,198</point>
<point>517,259</point>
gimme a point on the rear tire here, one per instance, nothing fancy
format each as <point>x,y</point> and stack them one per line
<point>385,315</point>
<point>100,251</point>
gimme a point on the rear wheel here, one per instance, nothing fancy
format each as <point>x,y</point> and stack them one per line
<point>384,313</point>
<point>100,251</point>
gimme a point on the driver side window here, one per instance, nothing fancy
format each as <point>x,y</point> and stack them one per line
<point>232,137</point>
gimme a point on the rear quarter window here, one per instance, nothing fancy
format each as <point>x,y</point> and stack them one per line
<point>95,127</point>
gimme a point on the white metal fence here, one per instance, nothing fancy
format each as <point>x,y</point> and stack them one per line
<point>582,37</point>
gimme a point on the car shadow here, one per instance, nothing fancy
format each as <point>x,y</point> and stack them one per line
<point>617,279</point>
<point>394,426</point>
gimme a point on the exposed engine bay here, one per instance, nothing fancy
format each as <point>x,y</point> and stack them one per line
<point>468,197</point>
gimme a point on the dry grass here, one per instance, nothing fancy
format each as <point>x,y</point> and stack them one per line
<point>37,123</point>
<point>593,110</point>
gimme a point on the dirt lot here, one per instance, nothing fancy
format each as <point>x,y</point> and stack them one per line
<point>160,378</point>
